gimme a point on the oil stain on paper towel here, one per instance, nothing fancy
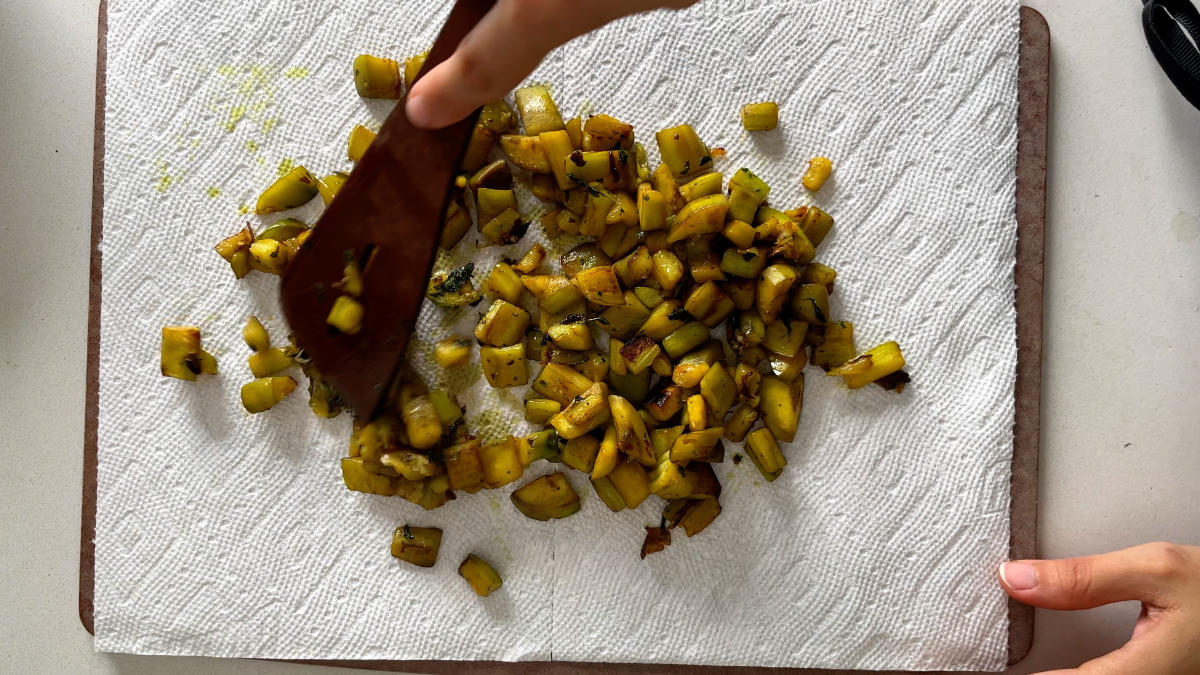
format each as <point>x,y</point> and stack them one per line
<point>242,100</point>
<point>169,173</point>
<point>163,180</point>
<point>246,93</point>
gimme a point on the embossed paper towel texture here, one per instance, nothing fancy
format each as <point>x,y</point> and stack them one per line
<point>224,534</point>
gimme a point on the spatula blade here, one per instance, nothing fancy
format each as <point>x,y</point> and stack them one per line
<point>393,204</point>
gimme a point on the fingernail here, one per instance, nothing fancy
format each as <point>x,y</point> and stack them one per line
<point>419,111</point>
<point>1019,576</point>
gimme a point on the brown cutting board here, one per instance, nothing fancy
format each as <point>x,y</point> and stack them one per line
<point>1033,92</point>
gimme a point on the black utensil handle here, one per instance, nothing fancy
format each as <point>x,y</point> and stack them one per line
<point>1168,23</point>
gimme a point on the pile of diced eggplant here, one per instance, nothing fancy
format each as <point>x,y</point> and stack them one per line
<point>683,318</point>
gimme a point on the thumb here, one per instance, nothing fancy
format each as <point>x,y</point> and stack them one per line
<point>1139,573</point>
<point>487,64</point>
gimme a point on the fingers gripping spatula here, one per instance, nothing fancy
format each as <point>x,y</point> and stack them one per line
<point>390,213</point>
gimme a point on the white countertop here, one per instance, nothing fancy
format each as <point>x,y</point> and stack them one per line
<point>1121,409</point>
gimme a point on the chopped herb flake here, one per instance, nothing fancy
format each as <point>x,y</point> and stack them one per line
<point>455,280</point>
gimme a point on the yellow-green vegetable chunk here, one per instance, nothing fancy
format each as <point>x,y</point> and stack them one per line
<point>295,188</point>
<point>483,578</point>
<point>417,545</point>
<point>376,77</point>
<point>760,116</point>
<point>182,357</point>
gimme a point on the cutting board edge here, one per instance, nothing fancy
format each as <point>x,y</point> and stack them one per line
<point>1033,92</point>
<point>91,406</point>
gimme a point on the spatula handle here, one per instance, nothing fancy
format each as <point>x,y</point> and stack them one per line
<point>392,204</point>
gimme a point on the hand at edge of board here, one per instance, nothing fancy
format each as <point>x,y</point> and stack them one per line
<point>1164,577</point>
<point>505,47</point>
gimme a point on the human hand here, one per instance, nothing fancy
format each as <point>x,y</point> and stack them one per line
<point>1164,577</point>
<point>506,46</point>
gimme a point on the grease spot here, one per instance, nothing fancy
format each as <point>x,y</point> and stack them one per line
<point>1186,227</point>
<point>163,180</point>
<point>236,114</point>
<point>245,93</point>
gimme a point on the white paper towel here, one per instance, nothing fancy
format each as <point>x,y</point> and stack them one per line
<point>223,534</point>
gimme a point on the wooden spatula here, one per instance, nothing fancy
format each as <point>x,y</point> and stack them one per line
<point>391,210</point>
